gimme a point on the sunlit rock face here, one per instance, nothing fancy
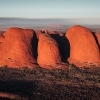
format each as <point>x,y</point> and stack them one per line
<point>38,32</point>
<point>83,45</point>
<point>42,31</point>
<point>48,52</point>
<point>16,49</point>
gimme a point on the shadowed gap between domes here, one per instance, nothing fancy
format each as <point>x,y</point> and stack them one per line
<point>63,45</point>
<point>96,40</point>
<point>34,44</point>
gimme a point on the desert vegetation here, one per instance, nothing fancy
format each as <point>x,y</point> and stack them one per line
<point>56,84</point>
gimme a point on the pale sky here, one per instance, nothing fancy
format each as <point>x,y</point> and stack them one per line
<point>50,8</point>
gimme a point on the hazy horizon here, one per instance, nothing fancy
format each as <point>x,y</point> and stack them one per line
<point>67,21</point>
<point>49,23</point>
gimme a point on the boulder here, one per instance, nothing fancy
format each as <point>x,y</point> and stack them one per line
<point>16,50</point>
<point>83,46</point>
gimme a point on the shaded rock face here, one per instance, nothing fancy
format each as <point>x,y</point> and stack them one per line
<point>98,38</point>
<point>48,52</point>
<point>83,46</point>
<point>16,49</point>
<point>34,44</point>
<point>63,45</point>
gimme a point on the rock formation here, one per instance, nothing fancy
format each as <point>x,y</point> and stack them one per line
<point>63,45</point>
<point>48,52</point>
<point>16,50</point>
<point>83,46</point>
<point>38,32</point>
<point>50,49</point>
<point>98,37</point>
<point>52,32</point>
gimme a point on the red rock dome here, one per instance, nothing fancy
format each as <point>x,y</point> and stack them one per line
<point>16,50</point>
<point>83,46</point>
<point>48,52</point>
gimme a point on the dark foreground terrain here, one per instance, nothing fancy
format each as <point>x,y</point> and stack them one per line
<point>43,84</point>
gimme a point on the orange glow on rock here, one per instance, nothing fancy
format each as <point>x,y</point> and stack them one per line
<point>48,52</point>
<point>83,46</point>
<point>16,50</point>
